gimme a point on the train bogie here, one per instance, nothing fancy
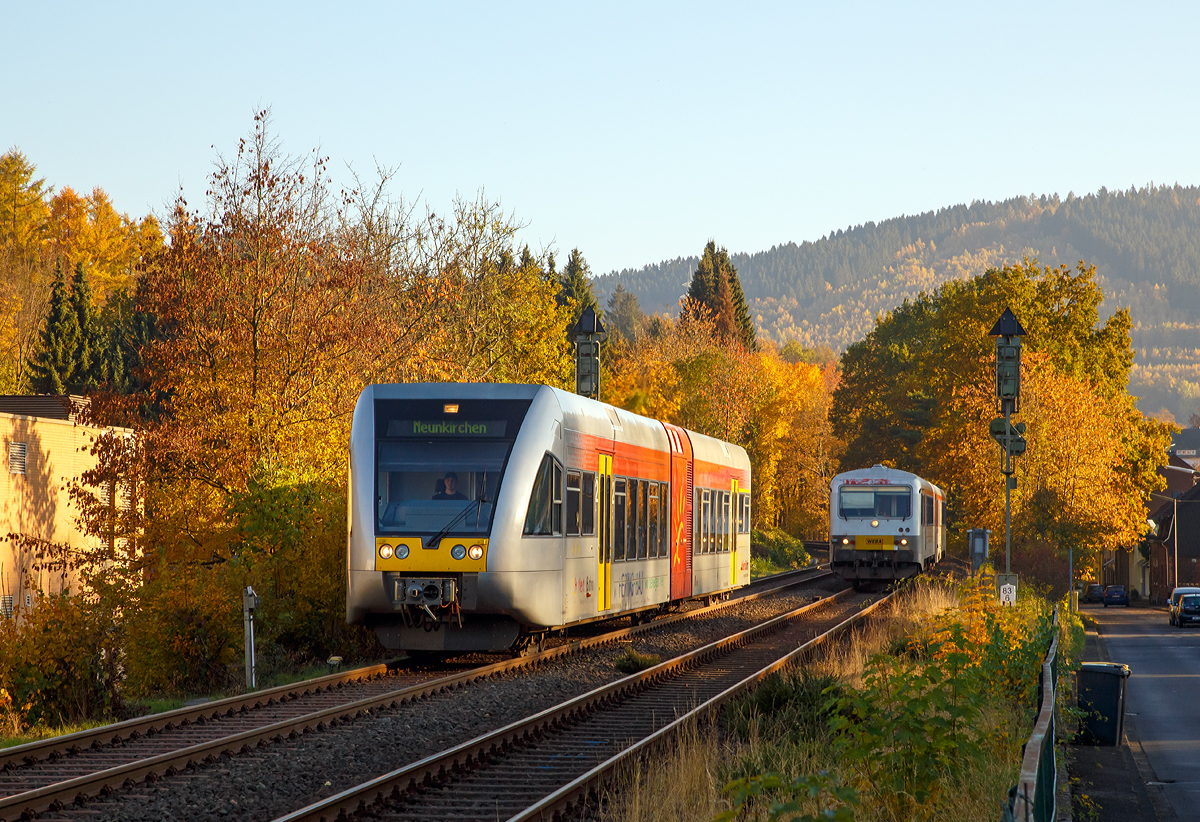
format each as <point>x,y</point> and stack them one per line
<point>483,514</point>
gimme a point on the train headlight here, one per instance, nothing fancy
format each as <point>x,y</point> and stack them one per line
<point>904,542</point>
<point>845,541</point>
<point>385,551</point>
<point>874,523</point>
<point>475,552</point>
<point>402,552</point>
<point>458,551</point>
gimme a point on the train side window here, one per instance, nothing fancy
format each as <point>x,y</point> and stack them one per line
<point>641,518</point>
<point>941,513</point>
<point>633,518</point>
<point>743,513</point>
<point>618,519</point>
<point>574,504</point>
<point>544,517</point>
<point>652,521</point>
<point>726,522</point>
<point>705,525</point>
<point>589,504</point>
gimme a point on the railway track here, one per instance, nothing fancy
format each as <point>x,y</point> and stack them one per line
<point>549,764</point>
<point>56,773</point>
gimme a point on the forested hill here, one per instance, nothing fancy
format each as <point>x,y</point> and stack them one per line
<point>1144,242</point>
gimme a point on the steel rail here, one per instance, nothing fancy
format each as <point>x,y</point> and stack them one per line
<point>117,732</point>
<point>581,787</point>
<point>59,794</point>
<point>464,755</point>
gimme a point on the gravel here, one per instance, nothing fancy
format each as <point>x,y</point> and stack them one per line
<point>276,779</point>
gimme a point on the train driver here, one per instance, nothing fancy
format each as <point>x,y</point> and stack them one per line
<point>450,488</point>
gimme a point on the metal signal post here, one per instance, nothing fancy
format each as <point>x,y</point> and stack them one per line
<point>1008,333</point>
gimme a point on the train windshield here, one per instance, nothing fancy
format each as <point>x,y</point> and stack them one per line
<point>439,464</point>
<point>424,486</point>
<point>887,501</point>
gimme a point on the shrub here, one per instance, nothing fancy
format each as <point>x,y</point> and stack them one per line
<point>780,547</point>
<point>61,663</point>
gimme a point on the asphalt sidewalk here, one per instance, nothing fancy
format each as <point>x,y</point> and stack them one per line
<point>1113,784</point>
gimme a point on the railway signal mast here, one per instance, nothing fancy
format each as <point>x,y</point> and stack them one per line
<point>1008,333</point>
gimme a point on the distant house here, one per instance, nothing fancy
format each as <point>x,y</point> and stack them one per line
<point>1186,446</point>
<point>45,449</point>
<point>1176,517</point>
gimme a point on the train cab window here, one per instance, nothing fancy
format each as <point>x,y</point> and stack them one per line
<point>574,504</point>
<point>412,494</point>
<point>545,514</point>
<point>618,518</point>
<point>886,501</point>
<point>589,504</point>
<point>652,520</point>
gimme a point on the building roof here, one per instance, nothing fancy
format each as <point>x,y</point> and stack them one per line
<point>44,406</point>
<point>1188,439</point>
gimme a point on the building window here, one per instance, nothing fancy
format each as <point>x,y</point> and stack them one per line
<point>16,457</point>
<point>6,606</point>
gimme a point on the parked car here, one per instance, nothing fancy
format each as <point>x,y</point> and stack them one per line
<point>1094,593</point>
<point>1173,602</point>
<point>1116,595</point>
<point>1188,610</point>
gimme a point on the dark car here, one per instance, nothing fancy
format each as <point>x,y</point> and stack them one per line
<point>1189,610</point>
<point>1094,593</point>
<point>1116,595</point>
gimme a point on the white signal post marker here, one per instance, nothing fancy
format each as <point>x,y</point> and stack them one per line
<point>1008,595</point>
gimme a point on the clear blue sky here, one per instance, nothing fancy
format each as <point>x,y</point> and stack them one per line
<point>634,131</point>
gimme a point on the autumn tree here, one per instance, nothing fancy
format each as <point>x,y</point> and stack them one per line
<point>918,394</point>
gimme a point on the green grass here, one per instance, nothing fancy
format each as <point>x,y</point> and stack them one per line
<point>35,734</point>
<point>632,662</point>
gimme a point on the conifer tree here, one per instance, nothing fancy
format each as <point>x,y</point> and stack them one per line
<point>55,366</point>
<point>716,286</point>
<point>624,314</point>
<point>575,286</point>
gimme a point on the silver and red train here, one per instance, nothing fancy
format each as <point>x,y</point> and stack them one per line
<point>483,516</point>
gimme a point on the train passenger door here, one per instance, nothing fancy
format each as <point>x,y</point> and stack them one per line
<point>604,531</point>
<point>928,531</point>
<point>731,523</point>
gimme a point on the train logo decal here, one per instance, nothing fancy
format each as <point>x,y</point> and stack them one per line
<point>584,586</point>
<point>630,584</point>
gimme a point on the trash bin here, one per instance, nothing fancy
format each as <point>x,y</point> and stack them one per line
<point>1101,698</point>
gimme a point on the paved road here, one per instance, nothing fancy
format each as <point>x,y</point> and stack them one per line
<point>1163,697</point>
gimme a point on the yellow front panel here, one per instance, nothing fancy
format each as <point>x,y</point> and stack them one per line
<point>874,543</point>
<point>430,561</point>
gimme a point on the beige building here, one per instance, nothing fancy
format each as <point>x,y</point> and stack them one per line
<point>44,451</point>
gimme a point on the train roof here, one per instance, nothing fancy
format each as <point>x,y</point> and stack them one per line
<point>881,472</point>
<point>582,413</point>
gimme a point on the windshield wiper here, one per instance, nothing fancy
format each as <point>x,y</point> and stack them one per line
<point>436,538</point>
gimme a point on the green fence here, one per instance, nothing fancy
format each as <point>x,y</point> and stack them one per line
<point>1032,800</point>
